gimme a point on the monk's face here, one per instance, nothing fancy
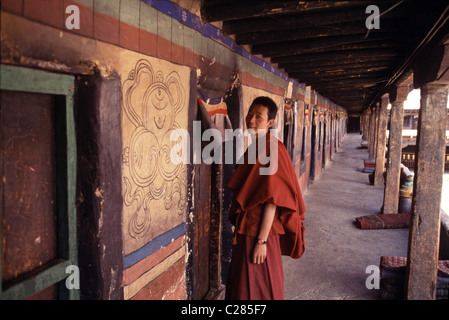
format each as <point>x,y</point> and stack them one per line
<point>257,118</point>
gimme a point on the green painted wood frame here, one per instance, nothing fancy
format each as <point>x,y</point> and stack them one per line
<point>15,78</point>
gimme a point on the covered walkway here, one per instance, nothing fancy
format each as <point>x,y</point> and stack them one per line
<point>100,86</point>
<point>337,252</point>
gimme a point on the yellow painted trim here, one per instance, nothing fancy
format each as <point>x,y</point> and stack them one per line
<point>132,289</point>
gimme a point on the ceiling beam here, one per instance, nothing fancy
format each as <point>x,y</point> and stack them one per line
<point>337,55</point>
<point>324,45</point>
<point>336,65</point>
<point>213,11</point>
<point>332,76</point>
<point>400,25</point>
<point>365,81</point>
<point>341,75</point>
<point>343,88</point>
<point>302,19</point>
<point>299,20</point>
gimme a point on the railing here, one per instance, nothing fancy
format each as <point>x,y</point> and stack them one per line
<point>408,160</point>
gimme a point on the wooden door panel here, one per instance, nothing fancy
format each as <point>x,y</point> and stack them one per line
<point>37,190</point>
<point>29,223</point>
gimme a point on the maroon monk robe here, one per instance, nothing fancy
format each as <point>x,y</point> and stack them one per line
<point>251,191</point>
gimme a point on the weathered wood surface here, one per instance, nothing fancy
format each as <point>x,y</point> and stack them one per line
<point>28,201</point>
<point>311,34</point>
<point>381,142</point>
<point>391,195</point>
<point>372,130</point>
<point>422,264</point>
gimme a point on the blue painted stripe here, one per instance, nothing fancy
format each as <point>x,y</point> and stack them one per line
<point>208,30</point>
<point>154,245</point>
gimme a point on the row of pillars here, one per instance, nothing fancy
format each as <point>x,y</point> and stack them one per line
<point>424,236</point>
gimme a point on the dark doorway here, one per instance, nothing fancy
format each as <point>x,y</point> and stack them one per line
<point>354,124</point>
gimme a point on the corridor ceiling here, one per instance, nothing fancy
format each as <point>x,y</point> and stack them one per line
<point>327,44</point>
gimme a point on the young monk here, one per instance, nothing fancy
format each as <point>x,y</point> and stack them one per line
<point>267,211</point>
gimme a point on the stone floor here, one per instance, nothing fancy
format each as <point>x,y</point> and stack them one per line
<point>337,254</point>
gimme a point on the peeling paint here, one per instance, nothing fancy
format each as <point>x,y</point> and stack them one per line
<point>171,291</point>
<point>99,193</point>
<point>113,284</point>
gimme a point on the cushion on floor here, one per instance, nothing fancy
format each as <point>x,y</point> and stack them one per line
<point>384,221</point>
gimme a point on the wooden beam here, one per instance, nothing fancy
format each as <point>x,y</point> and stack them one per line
<point>299,20</point>
<point>283,20</point>
<point>407,27</point>
<point>98,99</point>
<point>365,125</point>
<point>422,262</point>
<point>347,99</point>
<point>381,142</point>
<point>345,94</point>
<point>342,94</point>
<point>339,73</point>
<point>212,11</point>
<point>342,87</point>
<point>324,45</point>
<point>365,80</point>
<point>362,83</point>
<point>331,56</point>
<point>392,183</point>
<point>336,65</point>
<point>372,134</point>
<point>308,67</point>
<point>350,79</point>
<point>436,68</point>
<point>353,100</point>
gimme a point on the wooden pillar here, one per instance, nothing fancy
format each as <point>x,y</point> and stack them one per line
<point>372,130</point>
<point>366,118</point>
<point>381,142</point>
<point>429,168</point>
<point>99,187</point>
<point>375,129</point>
<point>363,125</point>
<point>216,289</point>
<point>430,74</point>
<point>391,193</point>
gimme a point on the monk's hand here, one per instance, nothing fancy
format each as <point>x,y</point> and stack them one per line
<point>259,253</point>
